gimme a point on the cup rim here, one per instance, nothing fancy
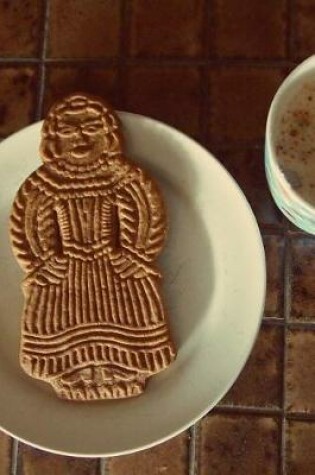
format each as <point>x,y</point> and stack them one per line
<point>287,86</point>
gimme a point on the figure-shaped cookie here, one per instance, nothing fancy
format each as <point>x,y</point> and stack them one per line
<point>86,227</point>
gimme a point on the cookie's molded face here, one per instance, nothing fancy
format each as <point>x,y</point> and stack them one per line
<point>81,136</point>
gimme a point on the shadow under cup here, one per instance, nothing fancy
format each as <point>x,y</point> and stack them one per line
<point>289,160</point>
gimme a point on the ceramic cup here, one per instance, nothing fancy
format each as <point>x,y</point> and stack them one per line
<point>289,148</point>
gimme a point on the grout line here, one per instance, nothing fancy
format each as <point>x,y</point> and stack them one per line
<point>204,107</point>
<point>124,31</point>
<point>123,49</point>
<point>209,31</point>
<point>158,61</point>
<point>204,90</point>
<point>19,61</point>
<point>239,146</point>
<point>283,420</point>
<point>301,326</point>
<point>291,29</point>
<point>288,28</point>
<point>282,460</point>
<point>194,449</point>
<point>192,460</point>
<point>268,230</point>
<point>103,467</point>
<point>286,315</point>
<point>14,456</point>
<point>263,411</point>
<point>280,322</point>
<point>304,416</point>
<point>42,72</point>
<point>266,411</point>
<point>273,321</point>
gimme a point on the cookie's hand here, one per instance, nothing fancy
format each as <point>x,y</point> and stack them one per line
<point>52,272</point>
<point>126,266</point>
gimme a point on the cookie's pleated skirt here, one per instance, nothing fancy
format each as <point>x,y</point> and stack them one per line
<point>92,316</point>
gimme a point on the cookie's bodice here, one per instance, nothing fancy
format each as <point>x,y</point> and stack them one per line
<point>87,225</point>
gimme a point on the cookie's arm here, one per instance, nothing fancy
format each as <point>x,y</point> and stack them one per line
<point>48,233</point>
<point>46,239</point>
<point>142,219</point>
<point>33,227</point>
<point>24,243</point>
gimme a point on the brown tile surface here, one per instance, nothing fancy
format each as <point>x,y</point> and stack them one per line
<point>300,379</point>
<point>239,101</point>
<point>62,80</point>
<point>300,447</point>
<point>169,458</point>
<point>84,28</point>
<point>20,27</point>
<point>303,279</point>
<point>303,28</point>
<point>17,98</point>
<point>38,462</point>
<point>239,445</point>
<point>168,94</point>
<point>247,167</point>
<point>249,29</point>
<point>164,28</point>
<point>5,454</point>
<point>260,382</point>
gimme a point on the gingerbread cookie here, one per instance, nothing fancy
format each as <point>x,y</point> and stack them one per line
<point>86,228</point>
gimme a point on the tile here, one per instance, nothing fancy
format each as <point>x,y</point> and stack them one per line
<point>239,101</point>
<point>63,80</point>
<point>248,29</point>
<point>37,462</point>
<point>303,28</point>
<point>169,458</point>
<point>303,279</point>
<point>175,29</point>
<point>84,29</point>
<point>274,249</point>
<point>5,454</point>
<point>247,167</point>
<point>300,437</point>
<point>260,382</point>
<point>20,28</point>
<point>17,98</point>
<point>165,93</point>
<point>300,375</point>
<point>239,445</point>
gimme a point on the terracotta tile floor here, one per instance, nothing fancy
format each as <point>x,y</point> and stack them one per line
<point>209,68</point>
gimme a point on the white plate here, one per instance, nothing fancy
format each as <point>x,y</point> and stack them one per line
<point>214,289</point>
